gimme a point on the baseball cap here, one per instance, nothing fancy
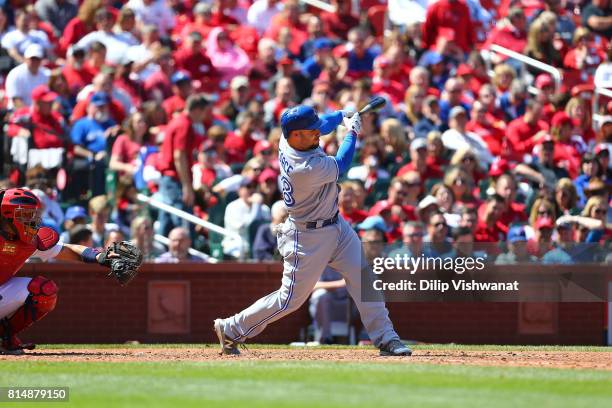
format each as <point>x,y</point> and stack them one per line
<point>261,146</point>
<point>285,61</point>
<point>322,43</point>
<point>208,146</point>
<point>34,51</point>
<point>239,82</point>
<point>426,202</point>
<point>544,222</point>
<point>180,76</point>
<point>543,80</point>
<point>430,58</point>
<point>99,99</point>
<point>373,222</point>
<point>304,118</point>
<point>75,211</point>
<point>601,148</point>
<point>499,167</point>
<point>267,174</point>
<point>202,8</point>
<point>464,69</point>
<point>42,93</point>
<point>457,110</point>
<point>75,51</point>
<point>561,119</point>
<point>517,234</point>
<point>418,143</point>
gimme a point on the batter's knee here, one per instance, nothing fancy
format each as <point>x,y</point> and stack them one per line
<point>43,294</point>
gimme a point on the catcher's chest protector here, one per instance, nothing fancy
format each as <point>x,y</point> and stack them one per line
<point>13,254</point>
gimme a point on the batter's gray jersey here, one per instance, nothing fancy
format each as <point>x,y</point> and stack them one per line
<point>308,183</point>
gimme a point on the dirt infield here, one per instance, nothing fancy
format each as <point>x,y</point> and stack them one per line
<point>550,359</point>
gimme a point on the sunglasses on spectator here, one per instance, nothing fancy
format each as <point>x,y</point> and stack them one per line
<point>468,159</point>
<point>600,211</point>
<point>460,181</point>
<point>544,212</point>
<point>414,184</point>
<point>257,168</point>
<point>439,224</point>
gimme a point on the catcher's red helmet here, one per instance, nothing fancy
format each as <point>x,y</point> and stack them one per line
<point>21,214</point>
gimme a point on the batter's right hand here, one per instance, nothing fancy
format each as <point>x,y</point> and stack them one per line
<point>354,124</point>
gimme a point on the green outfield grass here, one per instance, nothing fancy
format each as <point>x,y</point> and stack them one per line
<point>248,383</point>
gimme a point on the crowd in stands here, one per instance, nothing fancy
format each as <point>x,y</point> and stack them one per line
<point>180,100</point>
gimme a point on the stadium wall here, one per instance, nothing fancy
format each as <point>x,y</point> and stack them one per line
<point>177,303</point>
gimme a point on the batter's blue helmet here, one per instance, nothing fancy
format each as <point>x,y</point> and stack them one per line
<point>304,118</point>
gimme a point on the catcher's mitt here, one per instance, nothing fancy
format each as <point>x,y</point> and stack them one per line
<point>123,259</point>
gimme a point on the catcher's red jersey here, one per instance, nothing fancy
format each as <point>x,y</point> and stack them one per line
<point>13,255</point>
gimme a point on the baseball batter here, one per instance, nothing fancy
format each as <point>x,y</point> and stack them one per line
<point>26,300</point>
<point>314,236</point>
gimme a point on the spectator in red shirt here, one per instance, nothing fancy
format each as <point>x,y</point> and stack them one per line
<point>462,185</point>
<point>546,89</point>
<point>192,58</point>
<point>436,152</point>
<point>397,193</point>
<point>524,132</point>
<point>44,125</point>
<point>124,156</point>
<point>382,84</point>
<point>506,187</point>
<point>579,111</point>
<point>418,162</point>
<point>175,161</point>
<point>239,142</point>
<point>347,205</point>
<point>490,132</point>
<point>202,21</point>
<point>80,25</point>
<point>584,57</point>
<point>289,18</point>
<point>568,148</point>
<point>181,89</point>
<point>157,86</point>
<point>75,71</point>
<point>487,96</point>
<point>511,34</point>
<point>487,228</point>
<point>453,15</point>
<point>339,22</point>
<point>542,242</point>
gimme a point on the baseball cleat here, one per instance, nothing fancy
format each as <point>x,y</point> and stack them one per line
<point>228,346</point>
<point>395,348</point>
<point>14,347</point>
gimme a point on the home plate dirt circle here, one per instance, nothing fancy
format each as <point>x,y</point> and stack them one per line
<point>550,359</point>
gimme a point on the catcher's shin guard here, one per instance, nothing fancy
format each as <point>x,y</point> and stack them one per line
<point>40,301</point>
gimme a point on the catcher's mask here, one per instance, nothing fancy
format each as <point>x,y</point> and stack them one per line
<point>21,214</point>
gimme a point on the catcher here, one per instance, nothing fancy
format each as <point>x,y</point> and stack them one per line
<point>26,300</point>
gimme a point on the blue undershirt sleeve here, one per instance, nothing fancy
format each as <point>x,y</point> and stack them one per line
<point>344,157</point>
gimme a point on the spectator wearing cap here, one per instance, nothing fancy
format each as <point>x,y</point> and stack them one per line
<point>568,147</point>
<point>546,88</point>
<point>238,98</point>
<point>450,15</point>
<point>22,36</point>
<point>192,58</point>
<point>56,12</point>
<point>517,249</point>
<point>596,17</point>
<point>183,135</point>
<point>268,186</point>
<point>418,162</point>
<point>181,90</point>
<point>126,148</point>
<point>590,169</point>
<point>489,228</point>
<point>511,35</point>
<point>373,232</point>
<point>76,72</point>
<point>542,241</point>
<point>118,101</point>
<point>89,135</point>
<point>437,68</point>
<point>116,45</point>
<point>241,213</point>
<point>578,109</point>
<point>348,206</point>
<point>357,60</point>
<point>261,13</point>
<point>312,66</point>
<point>155,12</point>
<point>513,103</point>
<point>226,57</point>
<point>491,132</point>
<point>44,125</point>
<point>21,80</point>
<point>264,244</point>
<point>75,215</point>
<point>457,137</point>
<point>525,132</point>
<point>542,169</point>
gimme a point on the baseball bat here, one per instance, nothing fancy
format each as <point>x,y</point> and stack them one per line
<point>375,104</point>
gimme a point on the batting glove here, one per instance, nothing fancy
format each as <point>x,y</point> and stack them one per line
<point>347,113</point>
<point>354,124</point>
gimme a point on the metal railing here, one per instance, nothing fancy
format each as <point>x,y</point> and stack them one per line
<point>207,258</point>
<point>596,117</point>
<point>320,5</point>
<point>195,220</point>
<point>554,72</point>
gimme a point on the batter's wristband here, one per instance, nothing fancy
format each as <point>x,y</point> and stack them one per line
<point>89,255</point>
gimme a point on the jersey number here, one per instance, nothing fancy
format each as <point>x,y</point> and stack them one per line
<point>287,190</point>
